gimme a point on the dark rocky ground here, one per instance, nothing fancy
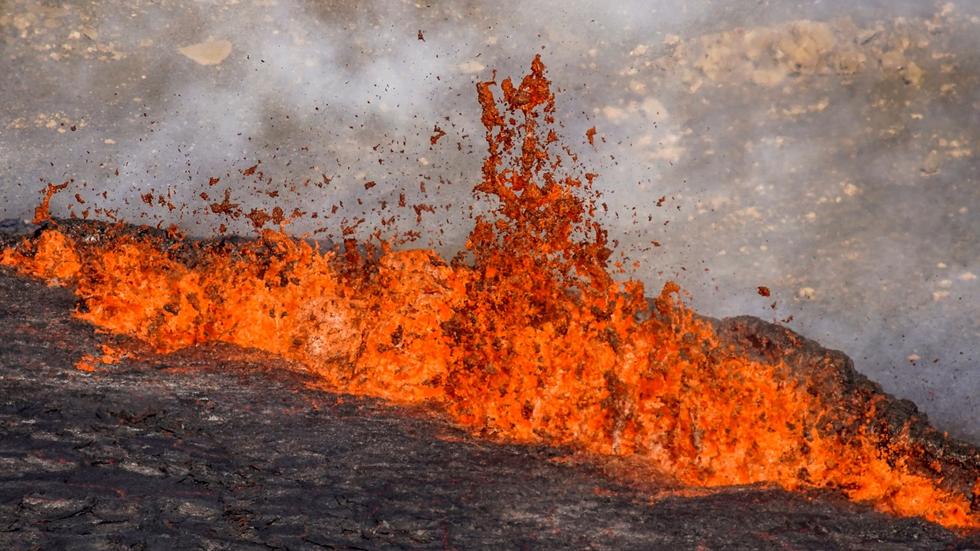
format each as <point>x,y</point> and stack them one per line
<point>214,449</point>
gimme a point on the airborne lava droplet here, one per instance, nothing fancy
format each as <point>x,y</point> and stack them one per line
<point>527,338</point>
<point>226,207</point>
<point>437,134</point>
<point>43,211</point>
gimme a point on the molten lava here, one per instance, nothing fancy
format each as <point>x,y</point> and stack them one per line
<point>525,337</point>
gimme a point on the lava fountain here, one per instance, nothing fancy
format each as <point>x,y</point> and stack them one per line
<point>524,337</point>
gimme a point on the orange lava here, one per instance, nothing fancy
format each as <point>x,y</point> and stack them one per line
<point>108,356</point>
<point>52,256</point>
<point>42,212</point>
<point>525,337</point>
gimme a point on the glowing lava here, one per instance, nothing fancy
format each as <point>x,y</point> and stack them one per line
<point>524,338</point>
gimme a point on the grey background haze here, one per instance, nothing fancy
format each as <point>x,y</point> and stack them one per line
<point>825,150</point>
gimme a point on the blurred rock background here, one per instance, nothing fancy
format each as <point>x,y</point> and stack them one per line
<point>822,149</point>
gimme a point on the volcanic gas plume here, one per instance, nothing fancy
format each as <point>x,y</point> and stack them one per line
<point>524,337</point>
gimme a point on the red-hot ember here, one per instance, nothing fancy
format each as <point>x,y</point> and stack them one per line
<point>42,212</point>
<point>525,338</point>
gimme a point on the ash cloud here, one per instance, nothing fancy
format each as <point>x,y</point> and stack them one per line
<point>825,150</point>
